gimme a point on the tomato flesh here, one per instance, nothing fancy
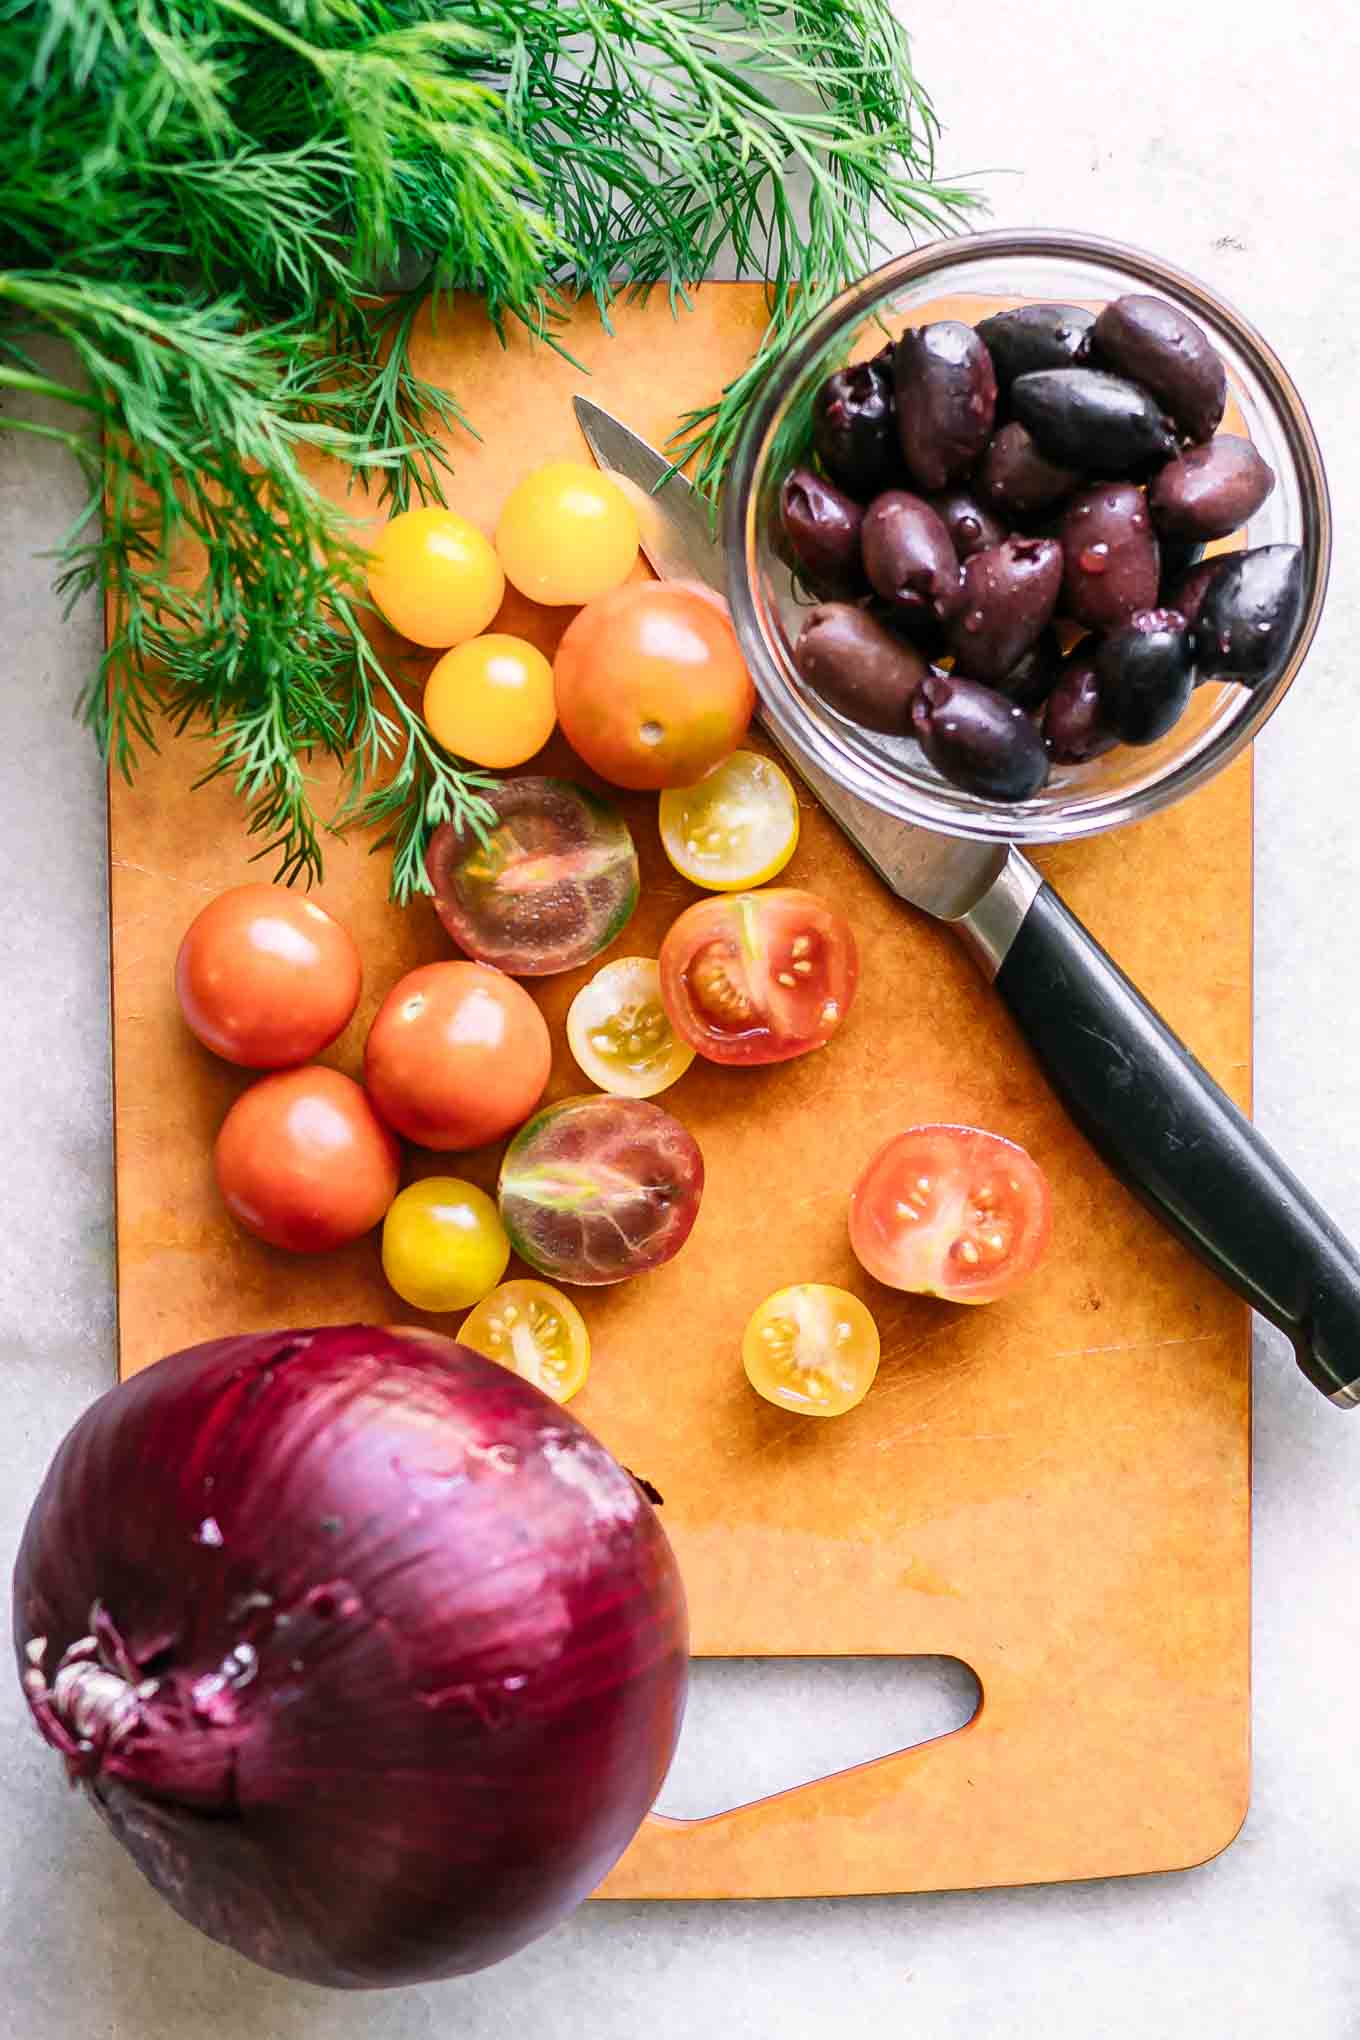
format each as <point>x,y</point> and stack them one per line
<point>536,1332</point>
<point>619,1032</point>
<point>951,1211</point>
<point>594,1190</point>
<point>811,1348</point>
<point>759,977</point>
<point>553,884</point>
<point>738,827</point>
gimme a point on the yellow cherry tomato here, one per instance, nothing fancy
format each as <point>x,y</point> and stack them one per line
<point>736,828</point>
<point>619,1033</point>
<point>811,1348</point>
<point>491,700</point>
<point>443,1244</point>
<point>536,1332</point>
<point>435,577</point>
<point>567,534</point>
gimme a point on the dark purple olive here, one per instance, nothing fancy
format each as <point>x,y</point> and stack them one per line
<point>1099,424</point>
<point>1009,593</point>
<point>1032,679</point>
<point>857,667</point>
<point>1209,491</point>
<point>854,428</point>
<point>1074,726</point>
<point>946,400</point>
<point>1249,615</point>
<point>1145,674</point>
<point>977,739</point>
<point>1187,593</point>
<point>909,556</point>
<point>1036,336</point>
<point>971,526</point>
<point>821,527</point>
<point>1016,479</point>
<point>1110,558</point>
<point>1164,350</point>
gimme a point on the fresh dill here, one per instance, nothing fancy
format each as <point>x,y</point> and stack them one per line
<point>203,200</point>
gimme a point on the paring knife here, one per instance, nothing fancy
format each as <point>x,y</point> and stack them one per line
<point>1152,1111</point>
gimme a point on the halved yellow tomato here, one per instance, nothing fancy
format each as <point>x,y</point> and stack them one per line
<point>619,1032</point>
<point>811,1348</point>
<point>536,1332</point>
<point>738,827</point>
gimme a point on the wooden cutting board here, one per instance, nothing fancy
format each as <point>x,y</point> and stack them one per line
<point>1054,1489</point>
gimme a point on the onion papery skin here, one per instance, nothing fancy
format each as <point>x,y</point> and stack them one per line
<point>370,1654</point>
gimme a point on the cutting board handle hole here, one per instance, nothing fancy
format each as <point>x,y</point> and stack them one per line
<point>755,1726</point>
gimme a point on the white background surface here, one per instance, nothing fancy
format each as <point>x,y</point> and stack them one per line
<point>1224,137</point>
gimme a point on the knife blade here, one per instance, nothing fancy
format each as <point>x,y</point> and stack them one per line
<point>1153,1112</point>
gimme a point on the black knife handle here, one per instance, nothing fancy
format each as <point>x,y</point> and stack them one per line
<point>1181,1145</point>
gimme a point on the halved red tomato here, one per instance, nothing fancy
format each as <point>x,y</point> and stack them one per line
<point>951,1211</point>
<point>759,977</point>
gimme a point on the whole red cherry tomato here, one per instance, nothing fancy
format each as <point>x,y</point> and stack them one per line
<point>304,1162</point>
<point>457,1055</point>
<point>266,978</point>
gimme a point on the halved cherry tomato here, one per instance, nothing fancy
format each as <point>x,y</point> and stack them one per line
<point>434,577</point>
<point>535,1331</point>
<point>567,534</point>
<point>759,977</point>
<point>951,1211</point>
<point>266,978</point>
<point>551,886</point>
<point>620,1034</point>
<point>737,827</point>
<point>304,1162</point>
<point>443,1244</point>
<point>596,1189</point>
<point>811,1348</point>
<point>457,1055</point>
<point>491,700</point>
<point>652,689</point>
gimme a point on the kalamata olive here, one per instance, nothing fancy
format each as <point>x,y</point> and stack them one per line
<point>821,527</point>
<point>1249,615</point>
<point>1075,728</point>
<point>909,556</point>
<point>1164,350</point>
<point>857,667</point>
<point>1016,479</point>
<point>1009,593</point>
<point>1036,336</point>
<point>1177,556</point>
<point>1032,679</point>
<point>854,427</point>
<point>977,739</point>
<point>1110,559</point>
<point>1208,491</point>
<point>1188,591</point>
<point>1145,674</point>
<point>946,400</point>
<point>971,526</point>
<point>1097,423</point>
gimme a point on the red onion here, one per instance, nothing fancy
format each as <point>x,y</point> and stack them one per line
<point>371,1656</point>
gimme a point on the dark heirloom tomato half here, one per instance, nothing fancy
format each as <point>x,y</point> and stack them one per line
<point>950,1211</point>
<point>596,1189</point>
<point>759,977</point>
<point>552,885</point>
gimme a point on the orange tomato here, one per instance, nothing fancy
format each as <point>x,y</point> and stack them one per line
<point>651,688</point>
<point>304,1162</point>
<point>457,1055</point>
<point>265,977</point>
<point>491,700</point>
<point>435,577</point>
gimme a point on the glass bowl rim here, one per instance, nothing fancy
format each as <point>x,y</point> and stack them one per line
<point>878,782</point>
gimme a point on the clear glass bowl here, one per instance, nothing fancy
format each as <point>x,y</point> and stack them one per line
<point>968,278</point>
